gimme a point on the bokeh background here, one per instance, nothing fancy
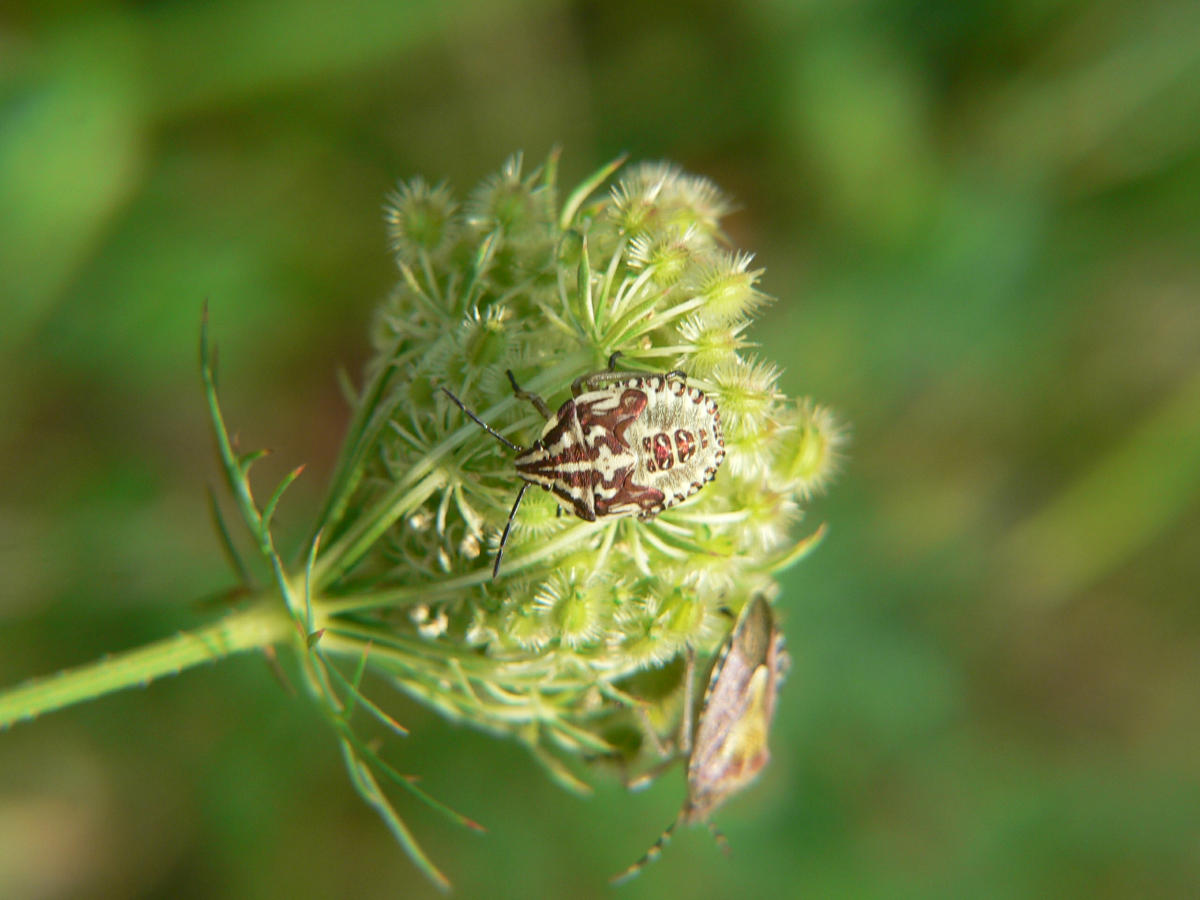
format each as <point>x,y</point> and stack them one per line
<point>982,224</point>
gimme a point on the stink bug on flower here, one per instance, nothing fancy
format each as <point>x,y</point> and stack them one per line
<point>731,725</point>
<point>626,443</point>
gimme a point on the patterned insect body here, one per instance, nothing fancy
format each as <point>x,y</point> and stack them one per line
<point>625,444</point>
<point>729,746</point>
<point>636,446</point>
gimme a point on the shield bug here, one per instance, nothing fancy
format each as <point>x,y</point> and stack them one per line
<point>729,746</point>
<point>626,443</point>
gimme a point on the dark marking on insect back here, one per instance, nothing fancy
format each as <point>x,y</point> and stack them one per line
<point>685,444</point>
<point>662,451</point>
<point>648,499</point>
<point>612,424</point>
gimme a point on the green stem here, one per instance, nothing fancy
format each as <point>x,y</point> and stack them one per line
<point>259,626</point>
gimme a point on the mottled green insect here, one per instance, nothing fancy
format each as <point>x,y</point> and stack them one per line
<point>731,725</point>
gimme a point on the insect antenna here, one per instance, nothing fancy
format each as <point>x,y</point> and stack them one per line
<point>484,425</point>
<point>649,856</point>
<point>507,528</point>
<point>719,837</point>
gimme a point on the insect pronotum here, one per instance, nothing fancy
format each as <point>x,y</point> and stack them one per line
<point>626,443</point>
<point>725,740</point>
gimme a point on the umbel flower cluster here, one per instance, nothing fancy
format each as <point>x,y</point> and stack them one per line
<point>577,647</point>
<point>516,279</point>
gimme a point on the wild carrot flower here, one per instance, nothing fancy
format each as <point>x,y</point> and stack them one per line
<point>398,577</point>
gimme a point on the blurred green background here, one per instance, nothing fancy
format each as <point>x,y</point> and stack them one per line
<point>982,224</point>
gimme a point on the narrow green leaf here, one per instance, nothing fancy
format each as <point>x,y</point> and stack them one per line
<point>574,738</point>
<point>269,510</point>
<point>584,190</point>
<point>360,435</point>
<point>313,547</point>
<point>357,696</point>
<point>368,788</point>
<point>355,683</point>
<point>558,770</point>
<point>246,460</point>
<point>409,783</point>
<point>803,547</point>
<point>583,284</point>
<point>234,475</point>
<point>227,546</point>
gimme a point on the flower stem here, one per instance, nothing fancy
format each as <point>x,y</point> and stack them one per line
<point>259,626</point>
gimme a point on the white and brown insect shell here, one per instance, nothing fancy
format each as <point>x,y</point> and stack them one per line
<point>678,439</point>
<point>729,748</point>
<point>633,447</point>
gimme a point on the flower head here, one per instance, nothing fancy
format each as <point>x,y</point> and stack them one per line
<point>551,650</point>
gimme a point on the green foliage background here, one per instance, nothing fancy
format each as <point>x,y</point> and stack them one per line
<point>981,223</point>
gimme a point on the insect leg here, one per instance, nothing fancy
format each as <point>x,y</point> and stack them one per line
<point>507,529</point>
<point>647,778</point>
<point>482,424</point>
<point>650,855</point>
<point>598,378</point>
<point>719,837</point>
<point>689,704</point>
<point>538,403</point>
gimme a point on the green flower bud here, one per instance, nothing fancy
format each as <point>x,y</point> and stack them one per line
<point>810,449</point>
<point>749,397</point>
<point>725,285</point>
<point>420,219</point>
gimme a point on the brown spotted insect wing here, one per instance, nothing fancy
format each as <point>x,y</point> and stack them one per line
<point>734,719</point>
<point>730,744</point>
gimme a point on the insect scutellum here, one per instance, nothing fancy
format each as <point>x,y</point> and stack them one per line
<point>626,443</point>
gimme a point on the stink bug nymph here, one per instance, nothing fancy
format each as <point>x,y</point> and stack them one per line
<point>729,747</point>
<point>626,443</point>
